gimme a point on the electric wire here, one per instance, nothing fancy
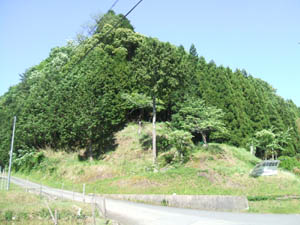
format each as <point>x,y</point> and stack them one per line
<point>113,5</point>
<point>107,33</point>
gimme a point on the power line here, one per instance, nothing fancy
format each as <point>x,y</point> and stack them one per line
<point>113,5</point>
<point>109,31</point>
<point>93,29</point>
<point>132,9</point>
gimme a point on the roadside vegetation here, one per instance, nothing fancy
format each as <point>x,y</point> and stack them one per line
<point>218,169</point>
<point>19,207</point>
<point>288,206</point>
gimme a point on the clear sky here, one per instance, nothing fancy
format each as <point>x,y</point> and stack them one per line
<point>260,36</point>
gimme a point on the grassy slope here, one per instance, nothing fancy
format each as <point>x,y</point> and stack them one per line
<point>129,169</point>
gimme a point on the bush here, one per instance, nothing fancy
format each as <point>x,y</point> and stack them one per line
<point>168,158</point>
<point>261,198</point>
<point>182,141</point>
<point>27,159</point>
<point>8,215</point>
<point>162,143</point>
<point>289,163</point>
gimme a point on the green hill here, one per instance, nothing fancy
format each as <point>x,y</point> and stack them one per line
<point>73,98</point>
<point>74,101</point>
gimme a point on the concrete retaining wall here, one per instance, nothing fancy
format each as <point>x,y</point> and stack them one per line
<point>203,202</point>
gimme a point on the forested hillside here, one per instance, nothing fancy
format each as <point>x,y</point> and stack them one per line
<point>73,99</point>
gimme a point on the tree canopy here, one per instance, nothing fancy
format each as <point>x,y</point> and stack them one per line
<point>73,98</point>
<point>195,117</point>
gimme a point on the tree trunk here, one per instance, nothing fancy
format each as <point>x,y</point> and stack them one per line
<point>154,131</point>
<point>204,140</point>
<point>140,127</point>
<point>252,149</point>
<point>140,123</point>
<point>90,151</point>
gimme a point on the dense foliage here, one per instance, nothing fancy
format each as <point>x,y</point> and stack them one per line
<point>197,118</point>
<point>73,99</point>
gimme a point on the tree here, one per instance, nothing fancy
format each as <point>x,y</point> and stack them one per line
<point>72,99</point>
<point>154,66</point>
<point>271,142</point>
<point>111,18</point>
<point>182,141</point>
<point>96,87</point>
<point>196,117</point>
<point>142,102</point>
<point>193,51</point>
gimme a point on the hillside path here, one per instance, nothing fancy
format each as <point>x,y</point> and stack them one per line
<point>129,213</point>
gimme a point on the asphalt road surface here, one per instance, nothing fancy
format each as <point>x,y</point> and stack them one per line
<point>129,213</point>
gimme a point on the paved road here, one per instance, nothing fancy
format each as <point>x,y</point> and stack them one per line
<point>129,213</point>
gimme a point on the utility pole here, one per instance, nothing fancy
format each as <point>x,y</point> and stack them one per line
<point>11,152</point>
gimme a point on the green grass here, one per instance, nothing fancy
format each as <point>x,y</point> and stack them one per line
<point>218,170</point>
<point>275,206</point>
<point>33,209</point>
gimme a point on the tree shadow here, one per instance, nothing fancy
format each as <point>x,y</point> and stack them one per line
<point>99,149</point>
<point>162,143</point>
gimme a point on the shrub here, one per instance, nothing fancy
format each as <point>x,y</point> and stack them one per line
<point>167,158</point>
<point>162,143</point>
<point>27,159</point>
<point>288,163</point>
<point>8,215</point>
<point>182,141</point>
<point>164,202</point>
<point>261,198</point>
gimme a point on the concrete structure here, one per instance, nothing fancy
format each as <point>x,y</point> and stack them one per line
<point>265,168</point>
<point>203,202</point>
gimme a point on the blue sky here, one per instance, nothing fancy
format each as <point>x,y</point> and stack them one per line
<point>260,36</point>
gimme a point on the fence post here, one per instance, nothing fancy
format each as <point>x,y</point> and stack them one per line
<point>56,217</point>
